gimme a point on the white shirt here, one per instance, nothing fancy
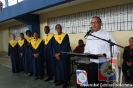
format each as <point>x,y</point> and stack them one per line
<point>97,46</point>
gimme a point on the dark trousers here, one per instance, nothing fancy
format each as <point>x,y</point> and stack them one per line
<point>127,72</point>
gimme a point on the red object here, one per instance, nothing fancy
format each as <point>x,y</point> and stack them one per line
<point>130,61</point>
<point>101,77</point>
<point>80,48</point>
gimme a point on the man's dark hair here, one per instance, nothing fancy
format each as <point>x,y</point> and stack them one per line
<point>36,32</point>
<point>58,25</point>
<point>47,27</point>
<point>131,38</point>
<point>22,34</point>
<point>81,40</point>
<point>28,31</point>
<point>98,18</point>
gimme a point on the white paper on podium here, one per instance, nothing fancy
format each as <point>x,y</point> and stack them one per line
<point>97,60</point>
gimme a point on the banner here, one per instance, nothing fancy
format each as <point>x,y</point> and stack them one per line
<point>82,77</point>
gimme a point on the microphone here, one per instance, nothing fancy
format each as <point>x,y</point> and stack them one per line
<point>90,31</point>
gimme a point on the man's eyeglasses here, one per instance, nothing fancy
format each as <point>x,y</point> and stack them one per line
<point>96,22</point>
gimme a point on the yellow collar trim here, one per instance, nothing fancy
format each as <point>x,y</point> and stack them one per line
<point>20,42</point>
<point>13,43</point>
<point>35,43</point>
<point>48,38</point>
<point>59,38</point>
<point>29,39</point>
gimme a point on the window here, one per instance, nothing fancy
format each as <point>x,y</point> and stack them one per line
<point>16,30</point>
<point>12,2</point>
<point>116,18</point>
<point>20,0</point>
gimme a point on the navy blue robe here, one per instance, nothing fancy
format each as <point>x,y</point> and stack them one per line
<point>13,53</point>
<point>38,63</point>
<point>62,65</point>
<point>21,49</point>
<point>49,59</point>
<point>28,58</point>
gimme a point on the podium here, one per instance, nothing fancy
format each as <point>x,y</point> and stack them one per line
<point>83,63</point>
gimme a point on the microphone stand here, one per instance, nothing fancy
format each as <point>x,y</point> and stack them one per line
<point>111,45</point>
<point>109,41</point>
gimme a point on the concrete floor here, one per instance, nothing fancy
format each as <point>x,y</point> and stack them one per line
<point>20,80</point>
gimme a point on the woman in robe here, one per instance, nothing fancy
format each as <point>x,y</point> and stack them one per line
<point>21,50</point>
<point>28,55</point>
<point>37,56</point>
<point>13,53</point>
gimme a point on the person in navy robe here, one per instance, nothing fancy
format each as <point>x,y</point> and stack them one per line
<point>61,44</point>
<point>28,54</point>
<point>48,53</point>
<point>37,46</point>
<point>13,53</point>
<point>21,50</point>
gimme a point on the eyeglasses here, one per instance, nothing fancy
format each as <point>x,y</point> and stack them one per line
<point>96,22</point>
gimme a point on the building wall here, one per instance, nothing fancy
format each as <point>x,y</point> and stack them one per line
<point>96,4</point>
<point>0,40</point>
<point>121,37</point>
<point>4,28</point>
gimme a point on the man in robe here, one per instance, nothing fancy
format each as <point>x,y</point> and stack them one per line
<point>61,44</point>
<point>48,53</point>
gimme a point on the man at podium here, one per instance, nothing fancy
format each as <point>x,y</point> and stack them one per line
<point>98,47</point>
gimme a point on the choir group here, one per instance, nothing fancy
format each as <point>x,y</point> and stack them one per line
<point>29,54</point>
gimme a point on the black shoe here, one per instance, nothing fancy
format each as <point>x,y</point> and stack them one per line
<point>65,86</point>
<point>48,79</point>
<point>130,82</point>
<point>55,81</point>
<point>40,77</point>
<point>30,74</point>
<point>35,78</point>
<point>59,83</point>
<point>127,82</point>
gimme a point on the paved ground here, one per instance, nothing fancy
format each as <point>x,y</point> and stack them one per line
<point>20,80</point>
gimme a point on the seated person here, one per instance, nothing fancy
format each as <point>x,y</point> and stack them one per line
<point>127,66</point>
<point>80,47</point>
